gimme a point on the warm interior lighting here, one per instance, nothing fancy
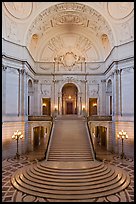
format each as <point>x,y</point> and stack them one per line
<point>44,104</point>
<point>122,135</point>
<point>69,97</point>
<point>55,107</point>
<point>94,104</point>
<point>16,136</point>
<point>83,107</point>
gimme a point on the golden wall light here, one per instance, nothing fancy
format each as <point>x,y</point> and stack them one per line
<point>44,104</point>
<point>16,136</point>
<point>94,104</point>
<point>122,135</point>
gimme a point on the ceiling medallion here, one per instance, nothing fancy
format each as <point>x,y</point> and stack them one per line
<point>120,10</point>
<point>20,10</point>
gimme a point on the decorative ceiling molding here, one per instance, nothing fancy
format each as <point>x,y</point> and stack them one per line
<point>69,59</point>
<point>58,46</point>
<point>120,10</point>
<point>19,10</point>
<point>69,13</point>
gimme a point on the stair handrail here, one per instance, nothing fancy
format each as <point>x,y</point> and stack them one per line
<point>49,139</point>
<point>92,145</point>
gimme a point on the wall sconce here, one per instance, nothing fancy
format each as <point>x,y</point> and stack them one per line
<point>55,108</point>
<point>94,104</point>
<point>16,136</point>
<point>44,104</point>
<point>122,135</point>
<point>83,107</point>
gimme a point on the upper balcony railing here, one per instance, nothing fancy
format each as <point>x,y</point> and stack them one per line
<point>40,118</point>
<point>99,118</point>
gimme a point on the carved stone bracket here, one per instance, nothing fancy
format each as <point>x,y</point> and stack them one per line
<point>4,68</point>
<point>103,80</point>
<point>36,81</point>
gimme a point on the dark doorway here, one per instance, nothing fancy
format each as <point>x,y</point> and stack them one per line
<point>101,136</point>
<point>38,136</point>
<point>92,106</point>
<point>69,99</point>
<point>46,106</point>
<point>69,108</point>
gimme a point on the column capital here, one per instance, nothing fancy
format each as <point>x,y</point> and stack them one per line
<point>116,71</point>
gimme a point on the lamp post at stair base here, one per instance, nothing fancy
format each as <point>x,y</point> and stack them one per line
<point>16,136</point>
<point>122,135</point>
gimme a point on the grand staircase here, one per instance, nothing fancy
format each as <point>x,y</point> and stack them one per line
<point>70,173</point>
<point>70,141</point>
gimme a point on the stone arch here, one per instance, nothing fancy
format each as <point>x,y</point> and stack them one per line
<point>69,98</point>
<point>46,127</point>
<point>72,82</point>
<point>94,125</point>
<point>109,86</point>
<point>74,7</point>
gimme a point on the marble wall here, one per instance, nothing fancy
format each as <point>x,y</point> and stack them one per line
<point>16,76</point>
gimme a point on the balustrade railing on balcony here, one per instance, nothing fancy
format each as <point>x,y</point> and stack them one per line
<point>99,118</point>
<point>40,118</point>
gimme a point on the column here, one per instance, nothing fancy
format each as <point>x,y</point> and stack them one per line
<point>86,97</point>
<point>79,103</point>
<point>22,92</point>
<point>103,97</point>
<point>19,90</point>
<point>60,103</point>
<point>4,68</point>
<point>116,93</point>
<point>36,97</point>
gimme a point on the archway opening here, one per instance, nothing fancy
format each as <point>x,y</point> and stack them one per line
<point>38,139</point>
<point>69,99</point>
<point>100,137</point>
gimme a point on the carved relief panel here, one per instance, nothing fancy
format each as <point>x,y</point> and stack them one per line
<point>19,10</point>
<point>46,90</point>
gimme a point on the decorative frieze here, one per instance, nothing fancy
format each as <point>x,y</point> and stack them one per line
<point>85,18</point>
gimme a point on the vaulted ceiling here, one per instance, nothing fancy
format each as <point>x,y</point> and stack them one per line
<point>66,30</point>
<point>70,28</point>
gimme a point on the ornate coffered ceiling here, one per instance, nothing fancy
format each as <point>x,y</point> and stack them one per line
<point>51,30</point>
<point>58,29</point>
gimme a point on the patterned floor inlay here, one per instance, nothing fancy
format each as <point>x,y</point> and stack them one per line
<point>10,194</point>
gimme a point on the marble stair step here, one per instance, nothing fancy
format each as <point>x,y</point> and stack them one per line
<point>87,167</point>
<point>64,193</point>
<point>92,185</point>
<point>110,178</point>
<point>39,173</point>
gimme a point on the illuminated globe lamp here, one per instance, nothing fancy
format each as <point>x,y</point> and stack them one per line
<point>122,135</point>
<point>16,136</point>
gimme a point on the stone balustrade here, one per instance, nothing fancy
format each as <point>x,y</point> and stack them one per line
<point>99,118</point>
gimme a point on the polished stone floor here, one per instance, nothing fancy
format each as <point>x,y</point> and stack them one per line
<point>9,166</point>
